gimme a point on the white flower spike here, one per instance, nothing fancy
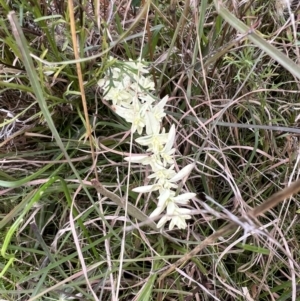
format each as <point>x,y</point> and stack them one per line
<point>129,89</point>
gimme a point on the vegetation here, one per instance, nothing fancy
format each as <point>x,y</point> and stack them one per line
<point>72,227</point>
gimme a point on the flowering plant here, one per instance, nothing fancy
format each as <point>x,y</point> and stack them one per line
<point>129,90</point>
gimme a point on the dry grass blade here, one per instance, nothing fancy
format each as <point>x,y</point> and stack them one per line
<point>274,200</point>
<point>132,210</point>
<point>81,85</point>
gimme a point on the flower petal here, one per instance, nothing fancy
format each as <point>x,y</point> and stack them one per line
<point>171,138</point>
<point>184,198</point>
<point>136,158</point>
<point>183,173</point>
<point>162,221</point>
<point>146,188</point>
<point>157,211</point>
<point>163,197</point>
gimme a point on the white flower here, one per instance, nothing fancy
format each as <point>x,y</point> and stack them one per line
<point>163,200</point>
<point>176,214</point>
<point>147,83</point>
<point>114,73</point>
<point>126,82</point>
<point>142,84</point>
<point>167,152</point>
<point>163,174</point>
<point>154,113</point>
<point>155,141</point>
<point>139,66</point>
<point>168,199</point>
<point>152,125</point>
<point>147,98</point>
<point>178,218</point>
<point>158,110</point>
<point>167,178</point>
<point>134,115</point>
<point>118,95</point>
<point>180,215</point>
<point>153,160</point>
<point>162,183</point>
<point>102,82</point>
<point>128,88</point>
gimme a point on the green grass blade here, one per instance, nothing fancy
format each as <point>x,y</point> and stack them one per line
<point>272,51</point>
